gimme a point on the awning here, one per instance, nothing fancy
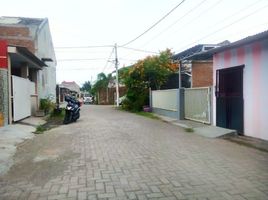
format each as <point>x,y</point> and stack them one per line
<point>23,55</point>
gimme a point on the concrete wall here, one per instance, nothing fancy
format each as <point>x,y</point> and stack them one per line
<point>169,103</point>
<point>4,94</point>
<point>255,84</point>
<point>45,49</point>
<point>165,99</point>
<point>202,73</point>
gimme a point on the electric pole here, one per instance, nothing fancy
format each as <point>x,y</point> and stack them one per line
<point>117,83</point>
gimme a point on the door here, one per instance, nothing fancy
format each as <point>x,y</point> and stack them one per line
<point>21,98</point>
<point>229,98</point>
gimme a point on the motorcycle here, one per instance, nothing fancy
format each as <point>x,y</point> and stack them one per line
<point>72,110</point>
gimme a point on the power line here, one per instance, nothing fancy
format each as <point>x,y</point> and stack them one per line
<point>151,27</point>
<point>191,10</point>
<point>79,59</point>
<point>140,50</point>
<point>84,47</point>
<point>108,60</point>
<point>226,26</point>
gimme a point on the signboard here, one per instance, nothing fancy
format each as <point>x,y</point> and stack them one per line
<point>3,54</point>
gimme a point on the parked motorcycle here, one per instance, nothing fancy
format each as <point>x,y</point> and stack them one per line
<point>72,110</point>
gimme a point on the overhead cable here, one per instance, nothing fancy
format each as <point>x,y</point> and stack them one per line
<point>140,50</point>
<point>108,60</point>
<point>191,10</point>
<point>84,47</point>
<point>226,26</point>
<point>156,23</point>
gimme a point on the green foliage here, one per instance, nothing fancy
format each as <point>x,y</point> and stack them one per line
<point>40,129</point>
<point>101,83</point>
<point>151,72</point>
<point>147,114</point>
<point>57,113</point>
<point>47,105</point>
<point>86,86</point>
<point>189,130</point>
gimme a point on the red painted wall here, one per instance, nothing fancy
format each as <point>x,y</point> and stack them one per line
<point>3,54</point>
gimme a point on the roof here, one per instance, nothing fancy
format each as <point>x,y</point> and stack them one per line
<point>71,85</point>
<point>22,54</point>
<point>244,41</point>
<point>193,50</point>
<point>21,21</point>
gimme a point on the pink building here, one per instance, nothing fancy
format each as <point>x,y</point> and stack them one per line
<point>240,80</point>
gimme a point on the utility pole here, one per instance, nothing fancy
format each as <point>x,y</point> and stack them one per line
<point>117,83</point>
<point>180,81</point>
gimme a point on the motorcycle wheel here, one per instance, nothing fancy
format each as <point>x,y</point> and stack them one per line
<point>67,118</point>
<point>77,117</point>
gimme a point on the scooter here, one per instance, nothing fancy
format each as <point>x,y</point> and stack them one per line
<point>72,110</point>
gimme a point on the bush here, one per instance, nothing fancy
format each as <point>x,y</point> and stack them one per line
<point>46,105</point>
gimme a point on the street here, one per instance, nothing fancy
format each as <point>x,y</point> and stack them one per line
<point>113,154</point>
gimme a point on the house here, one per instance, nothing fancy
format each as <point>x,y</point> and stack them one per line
<point>18,82</point>
<point>177,98</point>
<point>240,85</point>
<point>28,66</point>
<point>68,88</point>
<point>200,72</point>
<point>34,34</point>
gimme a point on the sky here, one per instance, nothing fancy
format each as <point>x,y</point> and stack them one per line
<point>77,25</point>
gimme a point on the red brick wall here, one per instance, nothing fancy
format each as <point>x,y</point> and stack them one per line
<point>14,31</point>
<point>18,36</point>
<point>111,92</point>
<point>202,73</point>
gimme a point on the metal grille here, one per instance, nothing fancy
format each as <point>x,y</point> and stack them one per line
<point>198,104</point>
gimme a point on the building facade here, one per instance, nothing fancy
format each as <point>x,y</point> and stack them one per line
<point>240,80</point>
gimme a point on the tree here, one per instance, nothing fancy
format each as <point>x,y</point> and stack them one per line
<point>101,83</point>
<point>151,72</point>
<point>86,86</point>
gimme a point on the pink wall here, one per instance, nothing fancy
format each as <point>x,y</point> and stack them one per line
<point>255,58</point>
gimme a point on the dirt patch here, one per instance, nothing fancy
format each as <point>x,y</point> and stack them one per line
<point>42,158</point>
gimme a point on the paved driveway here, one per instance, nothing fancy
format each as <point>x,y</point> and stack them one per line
<point>111,154</point>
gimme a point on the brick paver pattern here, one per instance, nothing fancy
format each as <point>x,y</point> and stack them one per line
<point>121,155</point>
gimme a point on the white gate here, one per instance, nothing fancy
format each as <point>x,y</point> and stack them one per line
<point>198,104</point>
<point>22,89</point>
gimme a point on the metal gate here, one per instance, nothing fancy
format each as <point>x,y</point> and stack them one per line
<point>198,104</point>
<point>22,89</point>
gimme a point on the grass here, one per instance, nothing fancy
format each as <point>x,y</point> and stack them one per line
<point>189,130</point>
<point>53,120</point>
<point>147,114</point>
<point>40,129</point>
<point>141,113</point>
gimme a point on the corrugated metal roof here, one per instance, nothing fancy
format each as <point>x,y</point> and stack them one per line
<point>194,50</point>
<point>247,40</point>
<point>21,21</point>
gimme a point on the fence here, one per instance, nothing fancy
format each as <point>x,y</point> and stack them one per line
<point>198,104</point>
<point>165,102</point>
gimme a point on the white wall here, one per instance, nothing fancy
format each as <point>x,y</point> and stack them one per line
<point>165,99</point>
<point>45,49</point>
<point>255,85</point>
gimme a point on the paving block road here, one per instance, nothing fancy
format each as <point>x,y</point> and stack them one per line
<point>111,154</point>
